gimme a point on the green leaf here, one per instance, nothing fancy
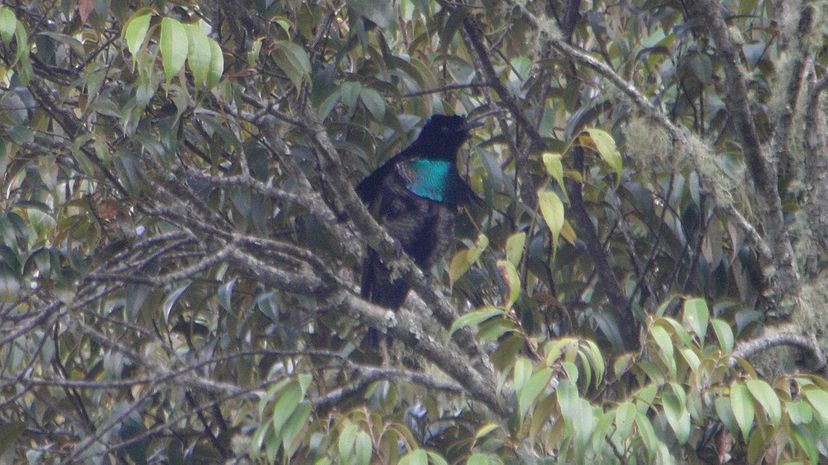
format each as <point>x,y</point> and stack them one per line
<point>216,64</point>
<point>799,412</point>
<point>521,372</point>
<point>807,444</point>
<point>690,358</point>
<point>294,424</point>
<point>514,247</point>
<point>462,260</point>
<point>677,416</point>
<point>819,401</point>
<point>436,458</point>
<point>350,93</point>
<point>373,101</point>
<point>199,54</point>
<point>492,330</point>
<point>347,442</point>
<point>552,210</point>
<point>363,448</point>
<point>702,67</point>
<point>583,424</point>
<point>725,414</point>
<point>474,318</point>
<point>604,144</point>
<point>485,429</point>
<point>173,46</point>
<point>723,333</point>
<point>455,20</point>
<point>742,405</point>
<point>8,24</point>
<point>22,54</point>
<point>696,316</point>
<point>647,434</point>
<point>172,299</point>
<point>624,418</point>
<point>135,31</point>
<point>287,403</point>
<point>510,276</point>
<point>567,396</point>
<point>766,397</point>
<point>571,371</point>
<point>561,346</point>
<point>20,135</point>
<point>415,457</point>
<point>293,60</point>
<point>380,12</point>
<point>225,295</point>
<point>664,342</point>
<point>554,167</point>
<point>532,389</point>
<point>478,459</point>
<point>596,360</point>
<point>304,380</point>
<point>252,54</point>
<point>758,444</point>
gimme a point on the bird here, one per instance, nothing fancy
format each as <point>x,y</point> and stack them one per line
<point>416,195</point>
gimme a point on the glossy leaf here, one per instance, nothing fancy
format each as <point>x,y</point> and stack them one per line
<point>554,167</point>
<point>475,318</point>
<point>174,46</point>
<point>819,401</point>
<point>766,398</point>
<point>363,449</point>
<point>199,53</point>
<point>415,457</point>
<point>374,102</point>
<point>533,387</point>
<point>216,64</point>
<point>723,334</point>
<point>135,30</point>
<point>552,210</point>
<point>741,404</point>
<point>462,260</point>
<point>624,418</point>
<point>293,60</point>
<point>514,247</point>
<point>8,24</point>
<point>696,315</point>
<point>604,144</point>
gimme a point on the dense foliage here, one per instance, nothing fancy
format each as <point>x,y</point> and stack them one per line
<point>642,282</point>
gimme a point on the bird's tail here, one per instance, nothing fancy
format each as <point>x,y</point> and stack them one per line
<point>379,289</point>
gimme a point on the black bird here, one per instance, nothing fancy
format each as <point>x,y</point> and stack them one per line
<point>415,196</point>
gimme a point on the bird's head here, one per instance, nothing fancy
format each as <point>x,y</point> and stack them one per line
<point>442,135</point>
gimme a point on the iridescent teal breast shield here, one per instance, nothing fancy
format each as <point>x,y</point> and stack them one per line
<point>429,178</point>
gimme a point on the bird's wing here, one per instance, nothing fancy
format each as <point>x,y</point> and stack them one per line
<point>469,197</point>
<point>368,189</point>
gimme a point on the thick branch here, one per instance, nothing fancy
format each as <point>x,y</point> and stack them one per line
<point>784,278</point>
<point>411,329</point>
<point>807,344</point>
<point>816,164</point>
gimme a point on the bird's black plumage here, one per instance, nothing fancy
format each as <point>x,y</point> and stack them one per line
<point>415,196</point>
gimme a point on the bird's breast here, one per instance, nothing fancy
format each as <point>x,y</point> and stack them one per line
<point>428,178</point>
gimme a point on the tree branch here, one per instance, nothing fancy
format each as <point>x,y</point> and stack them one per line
<point>783,278</point>
<point>807,344</point>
